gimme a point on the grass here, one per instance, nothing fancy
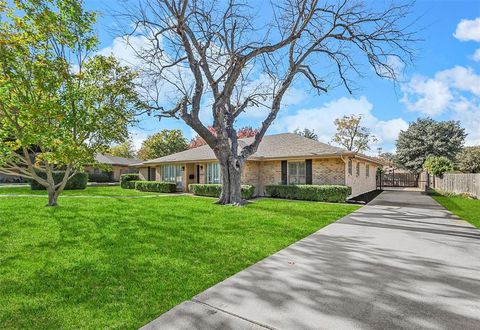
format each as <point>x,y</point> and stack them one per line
<point>112,191</point>
<point>466,208</point>
<point>121,262</point>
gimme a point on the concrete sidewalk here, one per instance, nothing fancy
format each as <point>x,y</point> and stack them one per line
<point>401,262</point>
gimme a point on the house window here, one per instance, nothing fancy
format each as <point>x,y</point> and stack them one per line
<point>171,173</point>
<point>296,173</point>
<point>358,169</point>
<point>213,173</point>
<point>367,170</point>
<point>350,167</point>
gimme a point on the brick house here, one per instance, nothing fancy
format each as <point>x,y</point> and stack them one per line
<point>115,165</point>
<point>280,159</point>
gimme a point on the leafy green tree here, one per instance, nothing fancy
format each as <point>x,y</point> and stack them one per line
<point>438,165</point>
<point>468,160</point>
<point>307,133</point>
<point>352,135</point>
<point>58,105</point>
<point>161,144</point>
<point>427,137</point>
<point>124,149</point>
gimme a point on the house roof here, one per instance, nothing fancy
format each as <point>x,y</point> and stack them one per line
<point>285,145</point>
<point>114,160</point>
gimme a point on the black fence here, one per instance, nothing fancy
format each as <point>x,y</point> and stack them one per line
<point>392,179</point>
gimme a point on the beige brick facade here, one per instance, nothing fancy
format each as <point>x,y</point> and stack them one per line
<point>361,183</point>
<point>263,173</point>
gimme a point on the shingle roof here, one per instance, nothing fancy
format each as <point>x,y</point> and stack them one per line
<point>285,145</point>
<point>114,160</point>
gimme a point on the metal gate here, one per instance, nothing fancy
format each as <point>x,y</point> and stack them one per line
<point>392,179</point>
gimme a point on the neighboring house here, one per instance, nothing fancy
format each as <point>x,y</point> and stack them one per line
<point>280,159</point>
<point>119,165</point>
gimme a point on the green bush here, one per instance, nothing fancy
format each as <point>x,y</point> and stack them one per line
<point>155,186</point>
<point>214,190</point>
<point>127,181</point>
<point>322,193</point>
<point>438,165</point>
<point>77,182</point>
<point>100,177</point>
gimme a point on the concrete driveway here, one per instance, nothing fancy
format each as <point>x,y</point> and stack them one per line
<point>402,262</point>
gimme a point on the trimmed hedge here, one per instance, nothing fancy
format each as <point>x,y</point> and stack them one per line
<point>214,190</point>
<point>127,181</point>
<point>100,177</point>
<point>155,186</point>
<point>77,182</point>
<point>319,193</point>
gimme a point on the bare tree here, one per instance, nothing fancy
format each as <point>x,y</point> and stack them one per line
<point>213,54</point>
<point>352,135</point>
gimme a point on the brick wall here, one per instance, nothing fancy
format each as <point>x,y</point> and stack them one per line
<point>250,175</point>
<point>328,171</point>
<point>361,183</point>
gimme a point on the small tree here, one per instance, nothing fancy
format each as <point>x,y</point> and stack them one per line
<point>161,144</point>
<point>352,135</point>
<point>218,51</point>
<point>124,149</point>
<point>58,106</point>
<point>438,165</point>
<point>307,133</point>
<point>468,160</point>
<point>427,137</point>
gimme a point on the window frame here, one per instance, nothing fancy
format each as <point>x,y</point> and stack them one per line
<point>350,167</point>
<point>172,173</point>
<point>367,170</point>
<point>213,169</point>
<point>298,172</point>
<point>357,170</point>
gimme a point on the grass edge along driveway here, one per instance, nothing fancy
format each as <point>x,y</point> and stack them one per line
<point>119,263</point>
<point>466,208</point>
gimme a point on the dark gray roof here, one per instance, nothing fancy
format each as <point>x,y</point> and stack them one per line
<point>114,160</point>
<point>285,145</point>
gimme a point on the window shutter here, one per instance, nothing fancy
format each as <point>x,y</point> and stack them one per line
<point>308,174</point>
<point>284,171</point>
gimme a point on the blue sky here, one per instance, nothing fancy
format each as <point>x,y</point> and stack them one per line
<point>443,82</point>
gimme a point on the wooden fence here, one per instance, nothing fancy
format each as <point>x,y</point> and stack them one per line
<point>459,183</point>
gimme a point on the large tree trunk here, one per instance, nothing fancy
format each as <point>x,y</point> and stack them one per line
<point>231,168</point>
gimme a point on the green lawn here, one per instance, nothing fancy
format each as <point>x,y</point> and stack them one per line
<point>120,262</point>
<point>465,208</point>
<point>89,191</point>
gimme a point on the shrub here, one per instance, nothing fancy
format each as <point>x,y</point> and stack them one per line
<point>214,190</point>
<point>77,182</point>
<point>322,193</point>
<point>127,181</point>
<point>155,186</point>
<point>100,177</point>
<point>438,165</point>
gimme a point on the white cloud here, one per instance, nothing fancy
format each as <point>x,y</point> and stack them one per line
<point>428,96</point>
<point>138,137</point>
<point>476,55</point>
<point>123,49</point>
<point>468,30</point>
<point>461,78</point>
<point>434,96</point>
<point>468,113</point>
<point>321,120</point>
